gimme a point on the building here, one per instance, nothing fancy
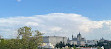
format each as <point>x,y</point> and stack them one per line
<point>102,40</point>
<point>77,41</point>
<point>54,39</point>
<point>91,42</point>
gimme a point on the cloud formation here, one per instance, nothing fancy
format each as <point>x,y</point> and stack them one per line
<point>59,24</point>
<point>18,0</point>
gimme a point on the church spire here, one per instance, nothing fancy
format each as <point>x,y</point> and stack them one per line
<point>79,36</point>
<point>72,36</point>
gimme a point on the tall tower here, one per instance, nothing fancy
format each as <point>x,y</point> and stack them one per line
<point>79,37</point>
<point>72,37</point>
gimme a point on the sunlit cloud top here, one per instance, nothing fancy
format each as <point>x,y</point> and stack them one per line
<point>58,24</point>
<point>18,0</point>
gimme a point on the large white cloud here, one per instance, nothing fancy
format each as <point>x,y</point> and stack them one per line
<point>60,24</point>
<point>18,0</point>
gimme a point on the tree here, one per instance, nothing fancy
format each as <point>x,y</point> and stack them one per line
<point>60,45</point>
<point>74,47</point>
<point>68,44</point>
<point>3,44</point>
<point>25,39</point>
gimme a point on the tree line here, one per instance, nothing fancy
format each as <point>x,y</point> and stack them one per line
<point>26,39</point>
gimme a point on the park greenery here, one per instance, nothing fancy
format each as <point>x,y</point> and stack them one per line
<point>26,39</point>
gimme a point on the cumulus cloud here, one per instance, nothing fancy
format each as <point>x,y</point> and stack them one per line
<point>18,0</point>
<point>55,29</point>
<point>31,24</point>
<point>60,24</point>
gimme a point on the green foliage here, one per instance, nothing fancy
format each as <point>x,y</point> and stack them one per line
<point>99,48</point>
<point>24,40</point>
<point>106,44</point>
<point>3,44</point>
<point>74,47</point>
<point>60,45</point>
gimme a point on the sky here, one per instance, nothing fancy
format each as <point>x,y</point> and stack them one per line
<point>57,17</point>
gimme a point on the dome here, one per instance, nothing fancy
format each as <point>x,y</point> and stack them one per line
<point>79,34</point>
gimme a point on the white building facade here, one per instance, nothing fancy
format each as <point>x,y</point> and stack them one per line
<point>78,41</point>
<point>54,39</point>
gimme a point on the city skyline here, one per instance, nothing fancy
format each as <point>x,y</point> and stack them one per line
<point>57,17</point>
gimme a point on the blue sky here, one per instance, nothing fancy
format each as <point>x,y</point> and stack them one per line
<point>93,9</point>
<point>57,17</point>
